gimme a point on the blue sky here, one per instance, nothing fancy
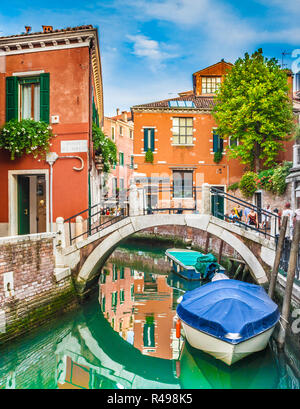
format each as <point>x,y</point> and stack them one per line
<point>150,48</point>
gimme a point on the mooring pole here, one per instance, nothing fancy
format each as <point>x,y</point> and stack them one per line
<point>289,285</point>
<point>206,243</point>
<point>220,251</point>
<point>279,249</point>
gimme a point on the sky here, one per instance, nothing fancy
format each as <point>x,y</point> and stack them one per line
<point>150,48</point>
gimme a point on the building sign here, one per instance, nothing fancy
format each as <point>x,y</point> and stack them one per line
<point>73,146</point>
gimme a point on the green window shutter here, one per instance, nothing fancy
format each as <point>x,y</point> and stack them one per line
<point>45,97</point>
<point>145,139</point>
<point>11,98</point>
<point>152,139</point>
<point>217,142</point>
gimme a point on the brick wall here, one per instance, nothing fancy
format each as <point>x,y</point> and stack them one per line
<point>29,292</point>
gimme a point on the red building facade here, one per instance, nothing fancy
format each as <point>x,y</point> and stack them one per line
<point>52,76</point>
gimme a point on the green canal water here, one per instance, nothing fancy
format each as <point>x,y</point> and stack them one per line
<point>124,338</point>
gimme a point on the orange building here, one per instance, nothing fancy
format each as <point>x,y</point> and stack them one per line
<point>181,134</point>
<point>120,129</point>
<point>53,76</point>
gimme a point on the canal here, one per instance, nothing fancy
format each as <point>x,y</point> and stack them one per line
<point>124,337</point>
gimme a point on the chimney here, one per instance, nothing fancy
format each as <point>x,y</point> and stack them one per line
<point>118,111</point>
<point>28,29</point>
<point>124,116</point>
<point>47,29</point>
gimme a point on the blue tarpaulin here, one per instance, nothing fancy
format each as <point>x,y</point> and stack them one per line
<point>227,307</point>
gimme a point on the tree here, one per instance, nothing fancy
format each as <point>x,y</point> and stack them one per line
<point>253,107</point>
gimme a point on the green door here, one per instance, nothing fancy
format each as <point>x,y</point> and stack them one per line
<point>23,205</point>
<point>217,204</point>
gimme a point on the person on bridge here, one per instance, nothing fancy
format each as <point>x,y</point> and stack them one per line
<point>288,212</point>
<point>252,218</point>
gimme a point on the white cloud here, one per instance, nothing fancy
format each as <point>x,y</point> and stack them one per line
<point>152,50</point>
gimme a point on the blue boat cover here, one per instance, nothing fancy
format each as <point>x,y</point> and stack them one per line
<point>229,307</point>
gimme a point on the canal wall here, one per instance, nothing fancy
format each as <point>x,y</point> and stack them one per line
<point>32,289</point>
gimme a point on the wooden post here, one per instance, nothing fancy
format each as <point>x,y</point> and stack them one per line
<point>279,249</point>
<point>207,243</point>
<point>240,268</point>
<point>289,285</point>
<point>220,251</point>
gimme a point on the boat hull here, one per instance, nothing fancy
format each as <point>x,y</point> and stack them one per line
<point>225,351</point>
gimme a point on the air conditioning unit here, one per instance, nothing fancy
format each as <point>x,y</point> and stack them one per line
<point>135,166</point>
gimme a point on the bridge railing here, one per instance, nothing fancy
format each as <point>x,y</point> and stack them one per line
<point>166,199</point>
<point>94,219</point>
<point>265,218</point>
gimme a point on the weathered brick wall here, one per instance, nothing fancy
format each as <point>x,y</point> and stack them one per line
<point>196,236</point>
<point>29,292</point>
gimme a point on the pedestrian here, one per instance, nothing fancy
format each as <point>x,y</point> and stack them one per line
<point>233,216</point>
<point>246,212</point>
<point>252,218</point>
<point>265,217</point>
<point>289,213</point>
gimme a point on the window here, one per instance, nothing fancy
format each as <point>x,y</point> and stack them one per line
<point>210,84</point>
<point>149,139</point>
<point>183,184</point>
<point>114,186</point>
<point>132,272</point>
<point>28,97</point>
<point>217,142</point>
<point>181,104</point>
<point>122,272</point>
<point>121,184</point>
<point>233,142</point>
<point>115,272</point>
<point>131,162</point>
<point>113,133</point>
<point>114,299</point>
<point>121,159</point>
<point>122,296</point>
<point>131,134</point>
<point>103,304</point>
<point>182,131</point>
<point>121,130</point>
<point>132,291</point>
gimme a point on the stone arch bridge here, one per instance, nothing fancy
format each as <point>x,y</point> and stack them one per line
<point>86,257</point>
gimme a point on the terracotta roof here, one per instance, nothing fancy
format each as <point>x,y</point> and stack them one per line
<point>120,117</point>
<point>200,102</point>
<point>63,30</point>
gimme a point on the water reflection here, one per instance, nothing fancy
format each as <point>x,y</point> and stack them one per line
<point>125,338</point>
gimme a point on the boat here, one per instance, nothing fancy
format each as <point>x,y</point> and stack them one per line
<point>228,319</point>
<point>193,265</point>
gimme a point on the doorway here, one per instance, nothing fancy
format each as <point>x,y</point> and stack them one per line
<point>31,204</point>
<point>217,203</point>
<point>28,202</point>
<point>258,203</point>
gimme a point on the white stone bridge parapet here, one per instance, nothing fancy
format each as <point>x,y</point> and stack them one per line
<point>86,257</point>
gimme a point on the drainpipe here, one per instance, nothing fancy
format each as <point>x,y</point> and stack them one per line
<point>51,158</point>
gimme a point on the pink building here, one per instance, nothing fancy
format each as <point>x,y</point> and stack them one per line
<point>120,129</point>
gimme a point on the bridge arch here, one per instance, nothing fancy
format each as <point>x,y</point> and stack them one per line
<point>134,224</point>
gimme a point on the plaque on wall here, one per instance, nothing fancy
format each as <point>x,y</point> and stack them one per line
<point>74,146</point>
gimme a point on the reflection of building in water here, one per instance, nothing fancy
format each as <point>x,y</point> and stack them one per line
<point>151,328</point>
<point>153,323</point>
<point>116,298</point>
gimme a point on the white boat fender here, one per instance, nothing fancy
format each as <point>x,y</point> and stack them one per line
<point>179,299</point>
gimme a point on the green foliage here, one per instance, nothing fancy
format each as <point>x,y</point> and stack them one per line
<point>234,186</point>
<point>248,184</point>
<point>105,147</point>
<point>25,137</point>
<point>218,156</point>
<point>265,179</point>
<point>278,178</point>
<point>252,105</point>
<point>149,157</point>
